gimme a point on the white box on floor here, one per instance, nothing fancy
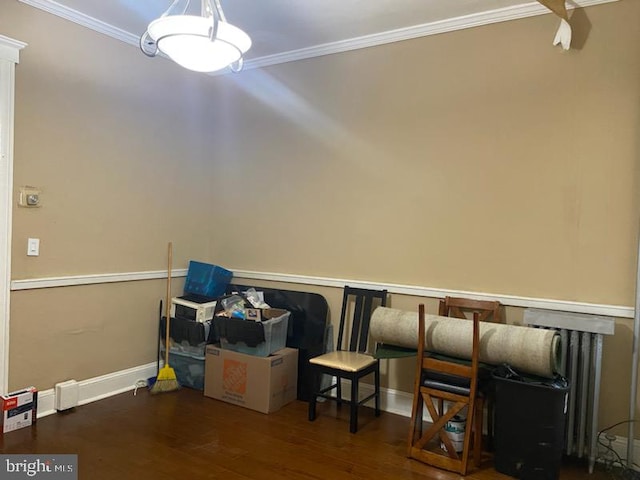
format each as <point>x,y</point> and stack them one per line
<point>19,409</point>
<point>264,384</point>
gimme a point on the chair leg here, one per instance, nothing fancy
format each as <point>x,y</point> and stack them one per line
<point>415,429</point>
<point>420,417</point>
<point>376,381</point>
<point>477,432</point>
<point>353,416</point>
<point>339,392</point>
<point>490,413</point>
<point>312,407</point>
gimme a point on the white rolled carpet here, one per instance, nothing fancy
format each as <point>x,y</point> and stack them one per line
<point>529,350</point>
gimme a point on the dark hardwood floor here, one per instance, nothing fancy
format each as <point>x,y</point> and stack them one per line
<point>184,435</point>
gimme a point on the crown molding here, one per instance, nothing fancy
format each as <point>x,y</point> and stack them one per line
<point>424,30</point>
<point>10,49</point>
<point>516,12</point>
<point>62,11</point>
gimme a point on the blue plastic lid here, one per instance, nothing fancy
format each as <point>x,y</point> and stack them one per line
<point>206,279</point>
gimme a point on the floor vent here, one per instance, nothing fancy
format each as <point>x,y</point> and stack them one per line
<point>66,395</point>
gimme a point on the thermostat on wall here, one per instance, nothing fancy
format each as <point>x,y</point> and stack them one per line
<point>29,197</point>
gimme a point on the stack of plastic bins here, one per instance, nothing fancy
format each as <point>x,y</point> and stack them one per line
<point>307,329</point>
<point>188,342</point>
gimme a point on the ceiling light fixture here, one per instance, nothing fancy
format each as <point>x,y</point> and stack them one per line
<point>204,43</point>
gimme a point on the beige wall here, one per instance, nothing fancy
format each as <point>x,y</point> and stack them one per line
<point>483,160</point>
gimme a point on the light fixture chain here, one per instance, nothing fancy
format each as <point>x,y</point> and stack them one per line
<point>215,15</point>
<point>219,10</point>
<point>173,5</point>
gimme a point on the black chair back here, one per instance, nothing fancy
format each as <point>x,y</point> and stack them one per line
<point>363,303</point>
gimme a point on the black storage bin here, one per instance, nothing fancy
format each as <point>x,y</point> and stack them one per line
<point>187,337</point>
<point>529,424</point>
<point>189,340</point>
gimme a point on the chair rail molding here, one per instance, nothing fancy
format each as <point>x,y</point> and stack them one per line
<point>618,311</point>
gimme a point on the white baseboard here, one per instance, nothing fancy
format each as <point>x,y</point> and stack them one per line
<point>395,401</point>
<point>392,401</point>
<point>97,388</point>
<point>619,446</point>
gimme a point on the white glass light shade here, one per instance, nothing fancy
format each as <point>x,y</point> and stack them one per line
<point>185,39</point>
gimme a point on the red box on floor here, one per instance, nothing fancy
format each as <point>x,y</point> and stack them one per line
<point>19,409</point>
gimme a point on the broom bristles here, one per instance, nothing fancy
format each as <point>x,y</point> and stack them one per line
<point>166,381</point>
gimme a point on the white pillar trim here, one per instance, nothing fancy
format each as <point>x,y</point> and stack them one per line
<point>9,57</point>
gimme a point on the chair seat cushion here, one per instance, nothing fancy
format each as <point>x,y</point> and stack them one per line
<point>344,360</point>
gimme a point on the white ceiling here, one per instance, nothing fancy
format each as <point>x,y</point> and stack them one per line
<point>286,30</point>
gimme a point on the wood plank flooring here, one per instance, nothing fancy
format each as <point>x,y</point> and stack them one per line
<point>184,435</point>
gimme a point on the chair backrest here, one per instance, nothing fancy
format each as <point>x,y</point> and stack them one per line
<point>364,302</point>
<point>445,398</point>
<point>489,311</point>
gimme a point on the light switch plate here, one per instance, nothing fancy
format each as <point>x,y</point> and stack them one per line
<point>33,247</point>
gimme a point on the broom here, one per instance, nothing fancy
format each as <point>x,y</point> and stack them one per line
<point>167,381</point>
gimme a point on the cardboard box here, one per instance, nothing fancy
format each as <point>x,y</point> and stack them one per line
<point>19,409</point>
<point>264,384</point>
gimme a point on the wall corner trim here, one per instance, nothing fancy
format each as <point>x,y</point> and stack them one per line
<point>10,49</point>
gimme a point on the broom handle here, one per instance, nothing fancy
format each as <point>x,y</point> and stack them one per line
<point>168,305</point>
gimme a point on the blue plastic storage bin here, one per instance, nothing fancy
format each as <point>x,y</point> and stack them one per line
<point>206,280</point>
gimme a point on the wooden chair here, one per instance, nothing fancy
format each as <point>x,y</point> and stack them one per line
<point>350,361</point>
<point>461,308</point>
<point>488,311</point>
<point>441,382</point>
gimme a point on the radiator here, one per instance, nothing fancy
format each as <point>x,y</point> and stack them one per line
<point>581,363</point>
